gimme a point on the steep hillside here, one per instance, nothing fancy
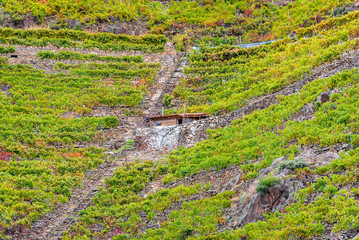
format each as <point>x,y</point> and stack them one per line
<point>276,159</point>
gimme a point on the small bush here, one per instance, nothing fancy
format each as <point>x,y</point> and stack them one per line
<point>167,99</point>
<point>252,175</point>
<point>265,183</point>
<point>151,216</point>
<point>181,42</point>
<point>168,178</point>
<point>3,61</point>
<point>5,50</point>
<point>335,96</point>
<point>111,121</point>
<point>293,164</point>
<point>320,184</point>
<point>331,190</point>
<point>186,233</point>
<point>121,237</point>
<point>318,105</point>
<point>129,144</point>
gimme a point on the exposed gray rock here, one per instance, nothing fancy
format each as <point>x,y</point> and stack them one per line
<point>277,198</point>
<point>119,30</point>
<point>118,143</point>
<point>323,97</point>
<point>5,87</point>
<point>355,6</point>
<point>158,138</point>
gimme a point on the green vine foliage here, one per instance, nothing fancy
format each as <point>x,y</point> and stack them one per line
<point>39,161</point>
<point>122,212</point>
<point>6,50</point>
<point>78,39</point>
<point>224,78</point>
<point>39,164</point>
<point>255,138</point>
<point>254,20</point>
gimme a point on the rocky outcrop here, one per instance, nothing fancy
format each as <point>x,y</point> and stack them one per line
<point>282,3</point>
<point>159,137</point>
<point>276,199</point>
<point>171,137</point>
<point>5,88</point>
<point>250,205</point>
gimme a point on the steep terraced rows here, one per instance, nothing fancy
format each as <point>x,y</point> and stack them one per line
<point>261,155</point>
<point>40,163</point>
<point>225,78</point>
<point>252,143</point>
<point>282,163</point>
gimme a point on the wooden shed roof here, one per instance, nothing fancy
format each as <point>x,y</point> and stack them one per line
<point>177,116</point>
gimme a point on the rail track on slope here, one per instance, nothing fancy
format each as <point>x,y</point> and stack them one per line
<point>176,75</point>
<point>85,201</point>
<point>98,181</point>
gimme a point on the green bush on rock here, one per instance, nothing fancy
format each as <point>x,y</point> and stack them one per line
<point>293,164</point>
<point>265,183</point>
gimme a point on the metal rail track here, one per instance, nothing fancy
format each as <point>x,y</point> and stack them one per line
<point>169,85</point>
<point>85,201</point>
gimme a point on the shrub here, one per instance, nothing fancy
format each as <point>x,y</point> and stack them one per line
<point>129,144</point>
<point>168,178</point>
<point>111,121</point>
<point>151,216</point>
<point>252,175</point>
<point>167,99</point>
<point>186,233</point>
<point>293,164</point>
<point>3,61</point>
<point>121,237</point>
<point>5,50</point>
<point>55,26</point>
<point>335,96</point>
<point>181,42</point>
<point>320,184</point>
<point>318,105</point>
<point>265,183</point>
<point>331,190</point>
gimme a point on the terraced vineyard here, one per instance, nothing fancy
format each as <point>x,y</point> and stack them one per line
<point>40,163</point>
<point>280,155</point>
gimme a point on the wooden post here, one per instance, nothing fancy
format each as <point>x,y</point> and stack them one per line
<point>184,113</point>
